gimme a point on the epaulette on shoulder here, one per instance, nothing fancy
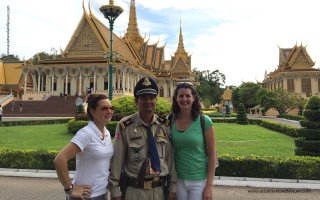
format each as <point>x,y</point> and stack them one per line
<point>160,120</point>
<point>167,120</point>
<point>126,123</point>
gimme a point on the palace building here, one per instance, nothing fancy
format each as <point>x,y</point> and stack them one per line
<point>10,75</point>
<point>295,73</point>
<point>84,63</point>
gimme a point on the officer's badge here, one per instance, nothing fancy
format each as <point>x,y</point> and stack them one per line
<point>146,82</point>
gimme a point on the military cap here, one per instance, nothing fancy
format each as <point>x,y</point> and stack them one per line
<point>146,85</point>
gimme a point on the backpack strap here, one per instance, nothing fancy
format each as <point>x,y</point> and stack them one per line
<point>202,122</point>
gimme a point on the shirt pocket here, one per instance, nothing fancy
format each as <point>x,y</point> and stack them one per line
<point>161,143</point>
<point>136,150</point>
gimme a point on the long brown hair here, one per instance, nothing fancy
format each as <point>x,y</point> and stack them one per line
<point>196,107</point>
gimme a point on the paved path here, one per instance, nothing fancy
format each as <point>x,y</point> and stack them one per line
<point>278,120</point>
<point>16,188</point>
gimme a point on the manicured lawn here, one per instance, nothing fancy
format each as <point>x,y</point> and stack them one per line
<point>48,137</point>
<point>252,140</point>
<point>231,139</point>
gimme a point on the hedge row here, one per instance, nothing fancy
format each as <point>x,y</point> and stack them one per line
<point>75,125</point>
<point>240,166</point>
<point>29,159</point>
<point>33,122</point>
<point>293,117</point>
<point>287,130</point>
<point>269,167</point>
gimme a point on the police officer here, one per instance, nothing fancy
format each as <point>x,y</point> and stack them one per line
<point>142,150</point>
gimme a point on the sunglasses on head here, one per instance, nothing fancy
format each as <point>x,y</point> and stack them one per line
<point>185,84</point>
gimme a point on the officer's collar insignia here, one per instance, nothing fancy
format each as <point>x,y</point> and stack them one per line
<point>126,123</point>
<point>146,82</point>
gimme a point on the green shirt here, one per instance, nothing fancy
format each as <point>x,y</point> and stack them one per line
<point>190,156</point>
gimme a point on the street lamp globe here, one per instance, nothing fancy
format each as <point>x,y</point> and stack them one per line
<point>111,12</point>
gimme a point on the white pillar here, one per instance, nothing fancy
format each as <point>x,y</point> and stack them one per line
<point>42,82</point>
<point>80,90</point>
<point>52,82</point>
<point>123,81</point>
<point>66,90</point>
<point>39,76</point>
<point>113,81</point>
<point>118,80</point>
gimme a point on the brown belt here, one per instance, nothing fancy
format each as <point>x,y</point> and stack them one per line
<point>148,183</point>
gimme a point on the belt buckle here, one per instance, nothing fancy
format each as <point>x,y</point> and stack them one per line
<point>147,185</point>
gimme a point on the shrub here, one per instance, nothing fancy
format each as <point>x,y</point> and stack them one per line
<point>75,125</point>
<point>310,124</point>
<point>80,113</point>
<point>269,167</point>
<point>29,159</point>
<point>308,134</point>
<point>125,106</point>
<point>313,103</point>
<point>293,117</point>
<point>163,107</point>
<point>312,115</point>
<point>309,143</point>
<point>227,109</point>
<point>242,116</point>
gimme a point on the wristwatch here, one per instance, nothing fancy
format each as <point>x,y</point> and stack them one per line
<point>69,189</point>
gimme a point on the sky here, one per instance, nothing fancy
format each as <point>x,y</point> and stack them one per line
<point>240,38</point>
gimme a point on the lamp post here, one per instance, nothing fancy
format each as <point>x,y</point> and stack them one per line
<point>111,12</point>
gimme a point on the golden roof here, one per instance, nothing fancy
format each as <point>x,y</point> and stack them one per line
<point>10,73</point>
<point>92,39</point>
<point>227,94</point>
<point>292,60</point>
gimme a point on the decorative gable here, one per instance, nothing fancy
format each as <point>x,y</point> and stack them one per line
<point>301,60</point>
<point>85,41</point>
<point>180,69</point>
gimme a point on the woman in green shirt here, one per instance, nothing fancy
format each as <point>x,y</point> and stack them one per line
<point>194,152</point>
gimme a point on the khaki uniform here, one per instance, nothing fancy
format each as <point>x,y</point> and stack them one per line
<point>130,151</point>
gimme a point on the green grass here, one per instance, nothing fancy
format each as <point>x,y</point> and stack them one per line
<point>237,139</point>
<point>231,139</point>
<point>48,137</point>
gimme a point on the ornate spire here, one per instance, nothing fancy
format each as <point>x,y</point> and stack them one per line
<point>133,31</point>
<point>181,49</point>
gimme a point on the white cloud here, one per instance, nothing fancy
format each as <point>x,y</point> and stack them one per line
<point>240,38</point>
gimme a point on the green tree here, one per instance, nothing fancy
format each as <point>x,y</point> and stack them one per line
<point>10,57</point>
<point>266,99</point>
<point>44,56</point>
<point>235,98</point>
<point>248,94</point>
<point>210,87</point>
<point>80,113</point>
<point>285,101</point>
